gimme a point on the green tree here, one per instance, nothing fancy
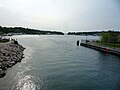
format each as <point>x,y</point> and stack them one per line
<point>118,39</point>
<point>104,37</point>
<point>110,37</point>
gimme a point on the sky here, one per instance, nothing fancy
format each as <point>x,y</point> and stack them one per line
<point>61,15</point>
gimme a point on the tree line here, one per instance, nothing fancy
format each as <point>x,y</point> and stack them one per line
<point>94,33</point>
<point>110,37</point>
<point>5,30</point>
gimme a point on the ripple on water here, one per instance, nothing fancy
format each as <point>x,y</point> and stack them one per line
<point>55,63</point>
<point>26,83</point>
<point>28,54</point>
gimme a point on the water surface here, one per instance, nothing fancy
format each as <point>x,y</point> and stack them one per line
<point>56,63</point>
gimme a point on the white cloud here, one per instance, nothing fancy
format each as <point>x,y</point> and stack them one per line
<point>68,15</point>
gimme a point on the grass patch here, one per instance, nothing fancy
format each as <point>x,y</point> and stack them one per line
<point>111,45</point>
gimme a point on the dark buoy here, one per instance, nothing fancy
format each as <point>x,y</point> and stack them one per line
<point>77,43</point>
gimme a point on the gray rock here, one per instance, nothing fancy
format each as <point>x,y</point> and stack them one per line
<point>2,73</point>
<point>10,54</point>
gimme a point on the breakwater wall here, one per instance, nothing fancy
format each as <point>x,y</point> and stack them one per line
<point>103,49</point>
<point>10,53</point>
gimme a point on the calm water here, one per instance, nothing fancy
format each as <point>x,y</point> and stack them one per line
<point>56,63</point>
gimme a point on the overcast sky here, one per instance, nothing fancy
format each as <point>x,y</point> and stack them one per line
<point>62,15</point>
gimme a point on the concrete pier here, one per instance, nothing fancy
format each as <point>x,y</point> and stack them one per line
<point>103,49</point>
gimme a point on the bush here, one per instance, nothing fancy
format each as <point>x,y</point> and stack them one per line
<point>110,37</point>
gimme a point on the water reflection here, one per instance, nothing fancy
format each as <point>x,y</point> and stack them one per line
<point>28,54</point>
<point>26,83</point>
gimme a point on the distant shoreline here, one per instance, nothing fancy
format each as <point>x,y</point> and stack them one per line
<point>20,30</point>
<point>93,33</point>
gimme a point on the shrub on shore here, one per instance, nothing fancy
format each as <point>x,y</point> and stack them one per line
<point>110,37</point>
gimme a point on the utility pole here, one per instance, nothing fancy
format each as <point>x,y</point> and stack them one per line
<point>114,38</point>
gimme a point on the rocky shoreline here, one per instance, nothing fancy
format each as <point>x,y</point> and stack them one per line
<point>10,53</point>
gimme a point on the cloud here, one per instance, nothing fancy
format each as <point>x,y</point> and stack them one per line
<point>61,14</point>
<point>8,18</point>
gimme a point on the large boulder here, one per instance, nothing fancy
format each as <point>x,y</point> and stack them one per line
<point>2,73</point>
